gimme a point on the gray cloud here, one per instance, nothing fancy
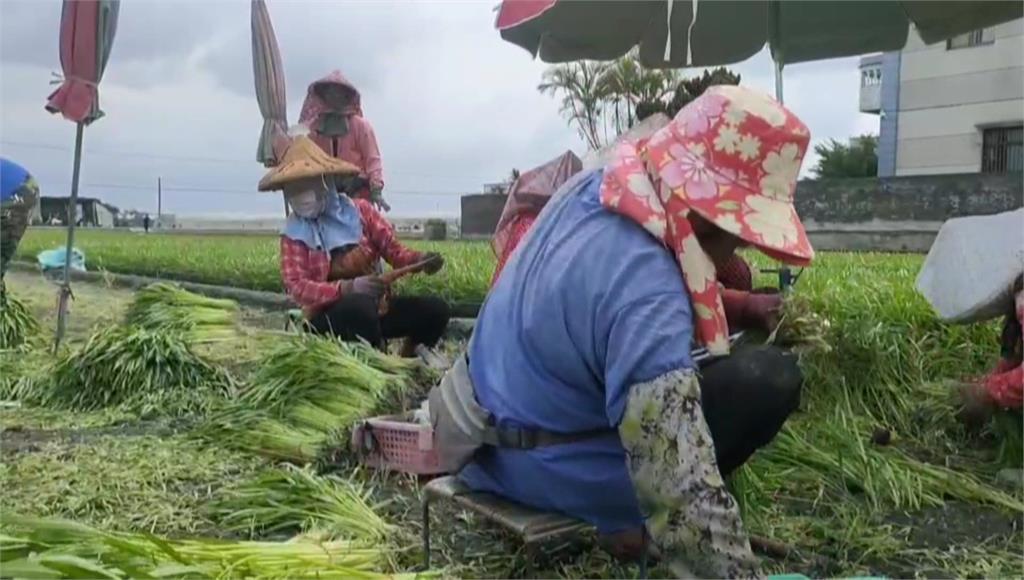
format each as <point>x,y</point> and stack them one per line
<point>453,105</point>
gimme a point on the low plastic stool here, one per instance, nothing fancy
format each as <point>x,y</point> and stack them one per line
<point>532,526</point>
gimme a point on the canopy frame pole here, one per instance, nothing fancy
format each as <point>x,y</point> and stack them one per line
<point>64,294</point>
<point>778,82</point>
<point>775,45</point>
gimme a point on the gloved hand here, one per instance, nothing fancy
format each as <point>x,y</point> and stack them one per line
<point>377,199</point>
<point>371,286</point>
<point>436,262</point>
<point>762,311</point>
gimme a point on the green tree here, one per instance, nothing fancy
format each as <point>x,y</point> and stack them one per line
<point>628,89</point>
<point>859,158</point>
<point>603,100</point>
<point>582,101</point>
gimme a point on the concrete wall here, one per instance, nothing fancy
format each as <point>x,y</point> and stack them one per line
<point>480,214</point>
<point>948,96</point>
<point>890,214</point>
<point>899,213</point>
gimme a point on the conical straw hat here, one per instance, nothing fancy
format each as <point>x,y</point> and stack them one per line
<point>303,159</point>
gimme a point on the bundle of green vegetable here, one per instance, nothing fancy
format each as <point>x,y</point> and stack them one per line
<point>169,308</point>
<point>318,370</point>
<point>20,367</point>
<point>293,499</point>
<point>800,326</point>
<point>383,362</point>
<point>17,324</point>
<point>50,548</point>
<point>146,371</point>
<point>306,395</point>
<point>258,432</point>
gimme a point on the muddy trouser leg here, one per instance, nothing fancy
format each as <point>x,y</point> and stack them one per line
<point>746,397</point>
<point>14,218</point>
<point>350,318</point>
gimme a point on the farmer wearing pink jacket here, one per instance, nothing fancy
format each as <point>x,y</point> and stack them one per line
<point>334,115</point>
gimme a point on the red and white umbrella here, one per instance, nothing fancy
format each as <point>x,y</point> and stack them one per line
<point>87,30</point>
<point>270,84</point>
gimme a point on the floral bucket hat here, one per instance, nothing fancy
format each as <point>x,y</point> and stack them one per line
<point>733,156</point>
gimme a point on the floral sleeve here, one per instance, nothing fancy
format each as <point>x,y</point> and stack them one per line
<point>692,518</point>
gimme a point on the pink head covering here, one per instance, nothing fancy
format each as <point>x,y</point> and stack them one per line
<point>532,191</point>
<point>733,155</point>
<point>314,105</point>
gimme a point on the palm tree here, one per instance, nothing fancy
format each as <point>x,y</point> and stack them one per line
<point>581,98</point>
<point>602,98</point>
<point>628,84</point>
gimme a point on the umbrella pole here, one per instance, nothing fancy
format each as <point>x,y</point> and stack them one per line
<point>65,288</point>
<point>778,82</point>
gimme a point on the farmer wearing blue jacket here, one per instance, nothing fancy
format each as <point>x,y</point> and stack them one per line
<point>18,195</point>
<point>581,360</point>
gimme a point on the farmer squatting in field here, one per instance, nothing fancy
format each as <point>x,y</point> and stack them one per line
<point>579,393</point>
<point>333,113</point>
<point>1002,390</point>
<point>974,273</point>
<point>330,250</point>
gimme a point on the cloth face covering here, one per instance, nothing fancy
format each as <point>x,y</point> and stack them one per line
<point>307,204</point>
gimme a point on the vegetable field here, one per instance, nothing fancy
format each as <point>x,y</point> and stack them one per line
<point>872,475</point>
<point>247,261</point>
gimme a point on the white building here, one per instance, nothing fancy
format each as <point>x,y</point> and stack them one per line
<point>951,107</point>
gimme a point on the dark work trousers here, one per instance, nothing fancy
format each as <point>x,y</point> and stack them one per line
<point>746,397</point>
<point>422,319</point>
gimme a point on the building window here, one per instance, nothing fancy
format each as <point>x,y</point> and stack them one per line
<point>870,77</point>
<point>1002,150</point>
<point>979,37</point>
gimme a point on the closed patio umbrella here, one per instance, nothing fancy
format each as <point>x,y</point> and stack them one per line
<point>270,85</point>
<point>87,30</point>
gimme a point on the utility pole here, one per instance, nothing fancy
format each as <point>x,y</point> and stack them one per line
<point>159,199</point>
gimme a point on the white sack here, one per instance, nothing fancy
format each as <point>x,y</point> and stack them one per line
<point>970,270</point>
<point>642,130</point>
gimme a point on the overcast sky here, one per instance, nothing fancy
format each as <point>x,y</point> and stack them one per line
<point>453,105</point>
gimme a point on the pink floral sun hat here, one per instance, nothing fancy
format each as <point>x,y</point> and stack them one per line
<point>733,156</point>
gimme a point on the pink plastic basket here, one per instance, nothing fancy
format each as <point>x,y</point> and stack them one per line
<point>397,443</point>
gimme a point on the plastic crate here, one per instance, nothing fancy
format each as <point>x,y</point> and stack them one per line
<point>397,443</point>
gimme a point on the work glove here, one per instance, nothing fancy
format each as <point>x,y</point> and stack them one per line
<point>377,199</point>
<point>371,286</point>
<point>436,262</point>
